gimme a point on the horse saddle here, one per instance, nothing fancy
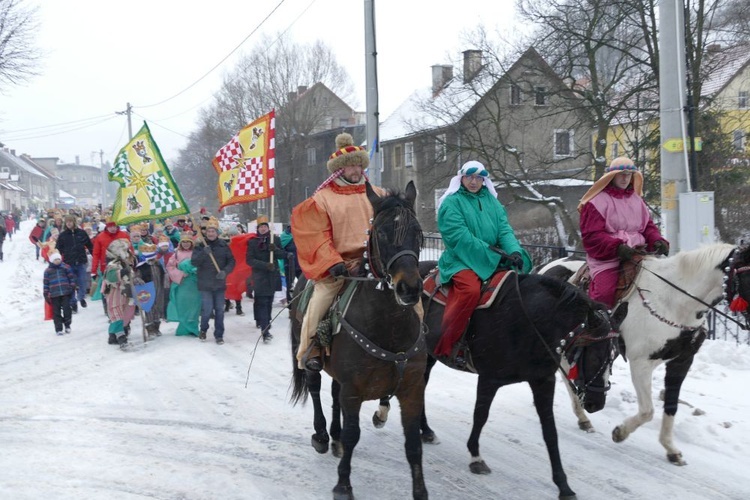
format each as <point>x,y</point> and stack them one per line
<point>433,288</point>
<point>628,272</point>
<point>330,324</point>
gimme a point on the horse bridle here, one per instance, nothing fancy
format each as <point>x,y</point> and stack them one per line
<point>574,353</point>
<point>372,256</point>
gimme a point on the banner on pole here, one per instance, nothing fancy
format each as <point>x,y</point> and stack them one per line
<point>147,190</point>
<point>246,163</point>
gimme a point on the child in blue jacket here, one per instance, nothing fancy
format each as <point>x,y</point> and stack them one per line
<point>59,286</point>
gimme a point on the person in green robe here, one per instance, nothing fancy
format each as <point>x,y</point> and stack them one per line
<point>184,298</point>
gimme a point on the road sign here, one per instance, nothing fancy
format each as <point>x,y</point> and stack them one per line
<point>677,145</point>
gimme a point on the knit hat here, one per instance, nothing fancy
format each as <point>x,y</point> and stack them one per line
<point>54,256</point>
<point>347,154</point>
<point>110,222</point>
<point>618,165</point>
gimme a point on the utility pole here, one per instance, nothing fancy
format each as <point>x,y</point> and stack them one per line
<point>373,113</point>
<point>672,89</point>
<point>128,111</point>
<point>103,178</point>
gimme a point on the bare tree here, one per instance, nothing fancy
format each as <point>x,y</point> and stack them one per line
<point>273,76</point>
<point>18,54</point>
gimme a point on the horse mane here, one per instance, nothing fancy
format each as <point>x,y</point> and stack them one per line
<point>703,259</point>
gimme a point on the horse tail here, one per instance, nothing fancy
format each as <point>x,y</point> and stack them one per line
<point>300,389</point>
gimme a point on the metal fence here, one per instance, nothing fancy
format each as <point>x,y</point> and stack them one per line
<point>540,254</point>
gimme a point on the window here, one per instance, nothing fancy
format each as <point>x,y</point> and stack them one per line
<point>311,160</point>
<point>515,94</point>
<point>563,143</point>
<point>398,157</point>
<point>5,169</point>
<point>742,99</point>
<point>615,150</point>
<point>83,178</point>
<point>343,122</point>
<point>440,148</point>
<point>540,96</point>
<point>738,140</point>
<point>409,154</point>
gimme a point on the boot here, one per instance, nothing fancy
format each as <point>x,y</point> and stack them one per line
<point>227,303</point>
<point>112,339</point>
<point>239,310</point>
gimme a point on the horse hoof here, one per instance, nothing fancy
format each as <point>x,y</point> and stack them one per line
<point>377,422</point>
<point>430,438</point>
<point>618,434</point>
<point>676,459</point>
<point>479,467</point>
<point>568,496</point>
<point>586,426</point>
<point>320,443</point>
<point>337,449</point>
<point>343,493</point>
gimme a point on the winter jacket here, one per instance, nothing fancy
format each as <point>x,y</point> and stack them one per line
<point>612,218</point>
<point>207,280</point>
<point>37,234</point>
<point>101,242</point>
<point>330,226</point>
<point>72,244</point>
<point>59,280</point>
<point>470,223</point>
<point>265,281</point>
<point>3,233</point>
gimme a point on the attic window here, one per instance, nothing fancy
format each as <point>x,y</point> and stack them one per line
<point>409,154</point>
<point>440,148</point>
<point>540,96</point>
<point>311,160</point>
<point>563,143</point>
<point>742,100</point>
<point>515,94</point>
<point>398,157</point>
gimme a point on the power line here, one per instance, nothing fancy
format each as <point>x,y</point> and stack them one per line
<point>220,62</point>
<point>56,124</point>
<point>29,137</point>
<point>160,125</point>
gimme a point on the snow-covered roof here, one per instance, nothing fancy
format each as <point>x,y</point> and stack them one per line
<point>20,164</point>
<point>725,67</point>
<point>65,194</point>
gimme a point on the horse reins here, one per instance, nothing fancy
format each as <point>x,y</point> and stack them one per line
<point>729,271</point>
<point>570,341</point>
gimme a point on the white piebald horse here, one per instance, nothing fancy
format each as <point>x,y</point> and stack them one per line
<point>665,323</point>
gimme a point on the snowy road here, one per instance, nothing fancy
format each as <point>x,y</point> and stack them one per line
<point>81,420</point>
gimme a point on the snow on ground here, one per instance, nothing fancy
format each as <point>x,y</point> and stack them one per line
<point>175,420</point>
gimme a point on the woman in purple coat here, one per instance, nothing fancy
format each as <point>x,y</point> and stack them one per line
<point>614,221</point>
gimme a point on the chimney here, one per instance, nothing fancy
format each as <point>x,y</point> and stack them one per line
<point>301,89</point>
<point>13,152</point>
<point>472,64</point>
<point>78,160</point>
<point>441,75</point>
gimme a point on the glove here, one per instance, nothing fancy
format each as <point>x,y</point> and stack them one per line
<point>221,275</point>
<point>625,252</point>
<point>338,270</point>
<point>661,247</point>
<point>207,249</point>
<point>270,266</point>
<point>272,247</point>
<point>516,261</point>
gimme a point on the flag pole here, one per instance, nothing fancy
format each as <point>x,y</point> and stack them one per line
<point>270,228</point>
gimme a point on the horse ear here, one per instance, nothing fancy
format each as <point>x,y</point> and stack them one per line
<point>411,193</point>
<point>371,195</point>
<point>619,316</point>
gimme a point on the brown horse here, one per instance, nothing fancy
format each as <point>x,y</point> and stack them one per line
<point>380,351</point>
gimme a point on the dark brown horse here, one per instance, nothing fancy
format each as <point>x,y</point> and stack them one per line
<point>379,352</point>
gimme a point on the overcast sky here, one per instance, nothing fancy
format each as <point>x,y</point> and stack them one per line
<point>101,55</point>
